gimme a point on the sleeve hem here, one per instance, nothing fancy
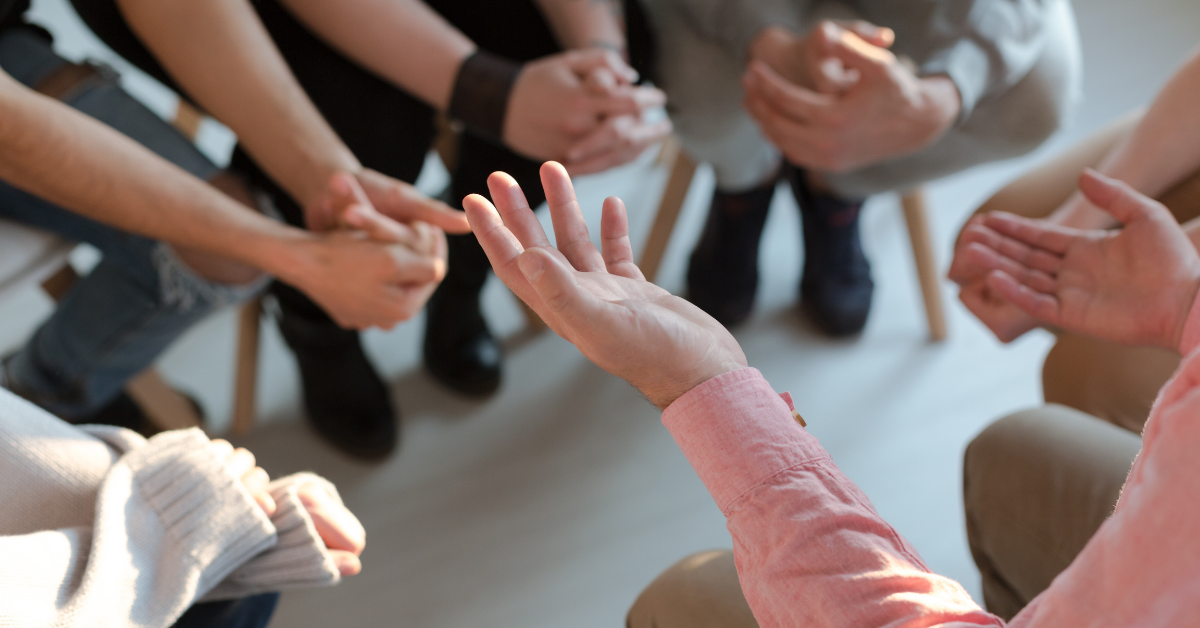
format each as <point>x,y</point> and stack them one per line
<point>1190,338</point>
<point>967,66</point>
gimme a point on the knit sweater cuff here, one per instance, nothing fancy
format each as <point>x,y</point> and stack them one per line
<point>299,559</point>
<point>202,506</point>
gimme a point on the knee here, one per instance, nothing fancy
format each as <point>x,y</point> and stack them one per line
<point>700,591</point>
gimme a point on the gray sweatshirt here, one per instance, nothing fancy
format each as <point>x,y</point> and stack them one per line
<point>984,46</point>
<point>100,527</point>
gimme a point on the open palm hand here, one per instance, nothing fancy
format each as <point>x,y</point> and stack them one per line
<point>599,300</point>
<point>1133,286</point>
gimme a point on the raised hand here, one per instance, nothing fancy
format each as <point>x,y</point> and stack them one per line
<point>885,111</point>
<point>599,300</point>
<point>581,107</point>
<point>1133,286</point>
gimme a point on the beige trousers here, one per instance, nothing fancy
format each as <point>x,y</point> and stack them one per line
<point>1036,484</point>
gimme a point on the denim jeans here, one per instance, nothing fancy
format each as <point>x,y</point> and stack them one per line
<point>140,297</point>
<point>248,612</point>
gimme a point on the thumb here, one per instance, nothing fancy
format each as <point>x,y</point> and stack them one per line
<point>557,289</point>
<point>880,36</point>
<point>1116,197</point>
<point>377,226</point>
<point>583,62</point>
<point>855,52</point>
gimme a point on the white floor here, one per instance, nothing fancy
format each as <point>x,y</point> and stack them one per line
<point>554,503</point>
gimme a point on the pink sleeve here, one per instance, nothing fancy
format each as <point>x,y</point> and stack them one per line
<point>1191,330</point>
<point>809,547</point>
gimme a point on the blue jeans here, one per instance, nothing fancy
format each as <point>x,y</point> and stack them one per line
<point>249,612</point>
<point>141,297</point>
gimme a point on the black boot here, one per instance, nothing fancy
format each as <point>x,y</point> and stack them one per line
<point>836,288</point>
<point>460,351</point>
<point>723,271</point>
<point>345,400</point>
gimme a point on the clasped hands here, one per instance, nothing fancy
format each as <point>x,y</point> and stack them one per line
<point>582,107</point>
<point>837,99</point>
<point>339,529</point>
<point>377,249</point>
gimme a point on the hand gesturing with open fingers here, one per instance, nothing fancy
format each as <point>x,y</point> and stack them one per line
<point>1133,286</point>
<point>598,299</point>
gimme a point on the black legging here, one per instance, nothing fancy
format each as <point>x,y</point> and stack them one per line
<point>386,128</point>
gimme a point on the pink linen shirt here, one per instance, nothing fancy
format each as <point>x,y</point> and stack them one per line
<point>811,550</point>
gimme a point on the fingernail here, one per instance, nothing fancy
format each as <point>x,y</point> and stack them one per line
<point>531,266</point>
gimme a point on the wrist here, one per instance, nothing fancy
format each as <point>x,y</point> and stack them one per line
<point>482,88</point>
<point>666,395</point>
<point>287,253</point>
<point>941,103</point>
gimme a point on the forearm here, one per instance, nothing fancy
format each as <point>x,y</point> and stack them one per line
<point>404,41</point>
<point>586,23</point>
<point>170,522</point>
<point>810,548</point>
<point>219,51</point>
<point>1165,146</point>
<point>56,153</point>
<point>1162,150</point>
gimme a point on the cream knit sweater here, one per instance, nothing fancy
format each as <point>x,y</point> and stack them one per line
<point>100,527</point>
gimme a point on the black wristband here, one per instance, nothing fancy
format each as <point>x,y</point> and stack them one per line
<point>481,90</point>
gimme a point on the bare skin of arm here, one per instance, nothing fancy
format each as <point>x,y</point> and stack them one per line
<point>586,23</point>
<point>578,106</point>
<point>1161,151</point>
<point>53,151</point>
<point>220,52</point>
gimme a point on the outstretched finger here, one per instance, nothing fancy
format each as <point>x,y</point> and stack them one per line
<point>514,209</point>
<point>1035,258</point>
<point>570,230</point>
<point>614,240</point>
<point>1116,197</point>
<point>1040,234</point>
<point>500,245</point>
<point>1042,306</point>
<point>989,259</point>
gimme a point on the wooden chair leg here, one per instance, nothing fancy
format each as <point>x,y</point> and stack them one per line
<point>246,376</point>
<point>164,406</point>
<point>682,171</point>
<point>187,120</point>
<point>922,244</point>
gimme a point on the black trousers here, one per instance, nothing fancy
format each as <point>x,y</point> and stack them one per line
<point>388,129</point>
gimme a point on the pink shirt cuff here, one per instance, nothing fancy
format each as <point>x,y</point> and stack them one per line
<point>1191,329</point>
<point>738,433</point>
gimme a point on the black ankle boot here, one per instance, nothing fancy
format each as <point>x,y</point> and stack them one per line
<point>460,351</point>
<point>836,287</point>
<point>723,271</point>
<point>345,400</point>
